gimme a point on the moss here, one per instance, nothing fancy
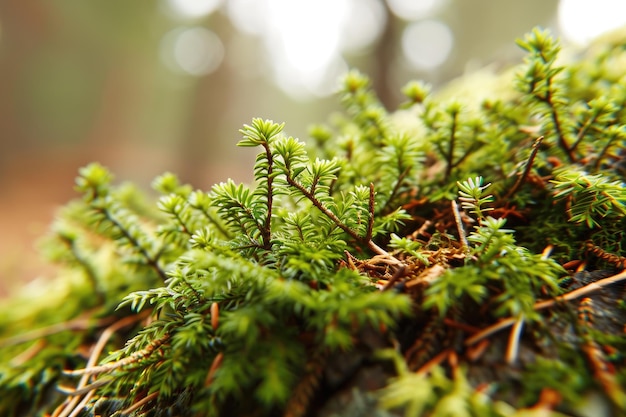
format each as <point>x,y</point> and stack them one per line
<point>426,261</point>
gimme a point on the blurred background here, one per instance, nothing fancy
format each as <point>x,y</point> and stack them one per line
<point>149,86</point>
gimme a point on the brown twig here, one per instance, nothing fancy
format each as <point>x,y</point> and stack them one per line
<point>514,339</point>
<point>133,358</point>
<point>81,405</point>
<point>426,368</point>
<point>140,403</point>
<point>81,323</point>
<point>399,266</point>
<point>615,260</point>
<point>400,270</point>
<point>266,230</point>
<point>72,402</point>
<point>459,227</point>
<point>541,305</point>
<point>29,353</point>
<point>84,390</point>
<point>217,362</point>
<point>558,129</point>
<point>450,154</point>
<point>529,164</point>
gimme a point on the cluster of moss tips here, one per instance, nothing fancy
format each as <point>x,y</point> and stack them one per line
<point>450,258</point>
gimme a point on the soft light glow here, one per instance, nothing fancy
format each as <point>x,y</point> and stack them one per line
<point>304,34</point>
<point>322,83</point>
<point>415,9</point>
<point>581,21</point>
<point>194,51</point>
<point>362,24</point>
<point>304,39</point>
<point>193,8</point>
<point>248,16</point>
<point>427,44</point>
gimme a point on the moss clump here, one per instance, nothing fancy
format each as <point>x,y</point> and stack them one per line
<point>429,261</point>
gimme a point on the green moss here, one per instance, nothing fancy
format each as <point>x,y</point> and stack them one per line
<point>347,278</point>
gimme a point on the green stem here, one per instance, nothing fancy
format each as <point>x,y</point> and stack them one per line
<point>217,224</point>
<point>151,261</point>
<point>321,207</point>
<point>554,115</point>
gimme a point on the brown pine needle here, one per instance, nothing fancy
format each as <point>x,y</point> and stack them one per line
<point>428,366</point>
<point>140,403</point>
<point>217,361</point>
<point>81,323</point>
<point>529,164</point>
<point>29,353</point>
<point>459,227</point>
<point>541,305</point>
<point>133,358</point>
<point>96,384</point>
<point>513,346</point>
<point>81,405</point>
<point>71,404</point>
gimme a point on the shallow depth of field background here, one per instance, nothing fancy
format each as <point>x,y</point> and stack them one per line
<point>149,86</point>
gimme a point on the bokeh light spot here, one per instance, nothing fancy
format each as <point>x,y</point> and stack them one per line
<point>415,9</point>
<point>193,8</point>
<point>363,23</point>
<point>305,33</point>
<point>248,16</point>
<point>194,51</point>
<point>304,39</point>
<point>427,44</point>
<point>581,21</point>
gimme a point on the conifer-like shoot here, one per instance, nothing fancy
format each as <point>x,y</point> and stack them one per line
<point>453,257</point>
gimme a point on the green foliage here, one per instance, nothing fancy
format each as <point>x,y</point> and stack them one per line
<point>349,257</point>
<point>590,197</point>
<point>472,196</point>
<point>521,278</point>
<point>454,133</point>
<point>540,83</point>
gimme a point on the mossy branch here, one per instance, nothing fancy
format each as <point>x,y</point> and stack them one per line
<point>151,260</point>
<point>539,81</point>
<point>283,293</point>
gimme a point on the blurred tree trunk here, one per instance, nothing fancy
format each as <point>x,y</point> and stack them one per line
<point>23,24</point>
<point>384,57</point>
<point>203,141</point>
